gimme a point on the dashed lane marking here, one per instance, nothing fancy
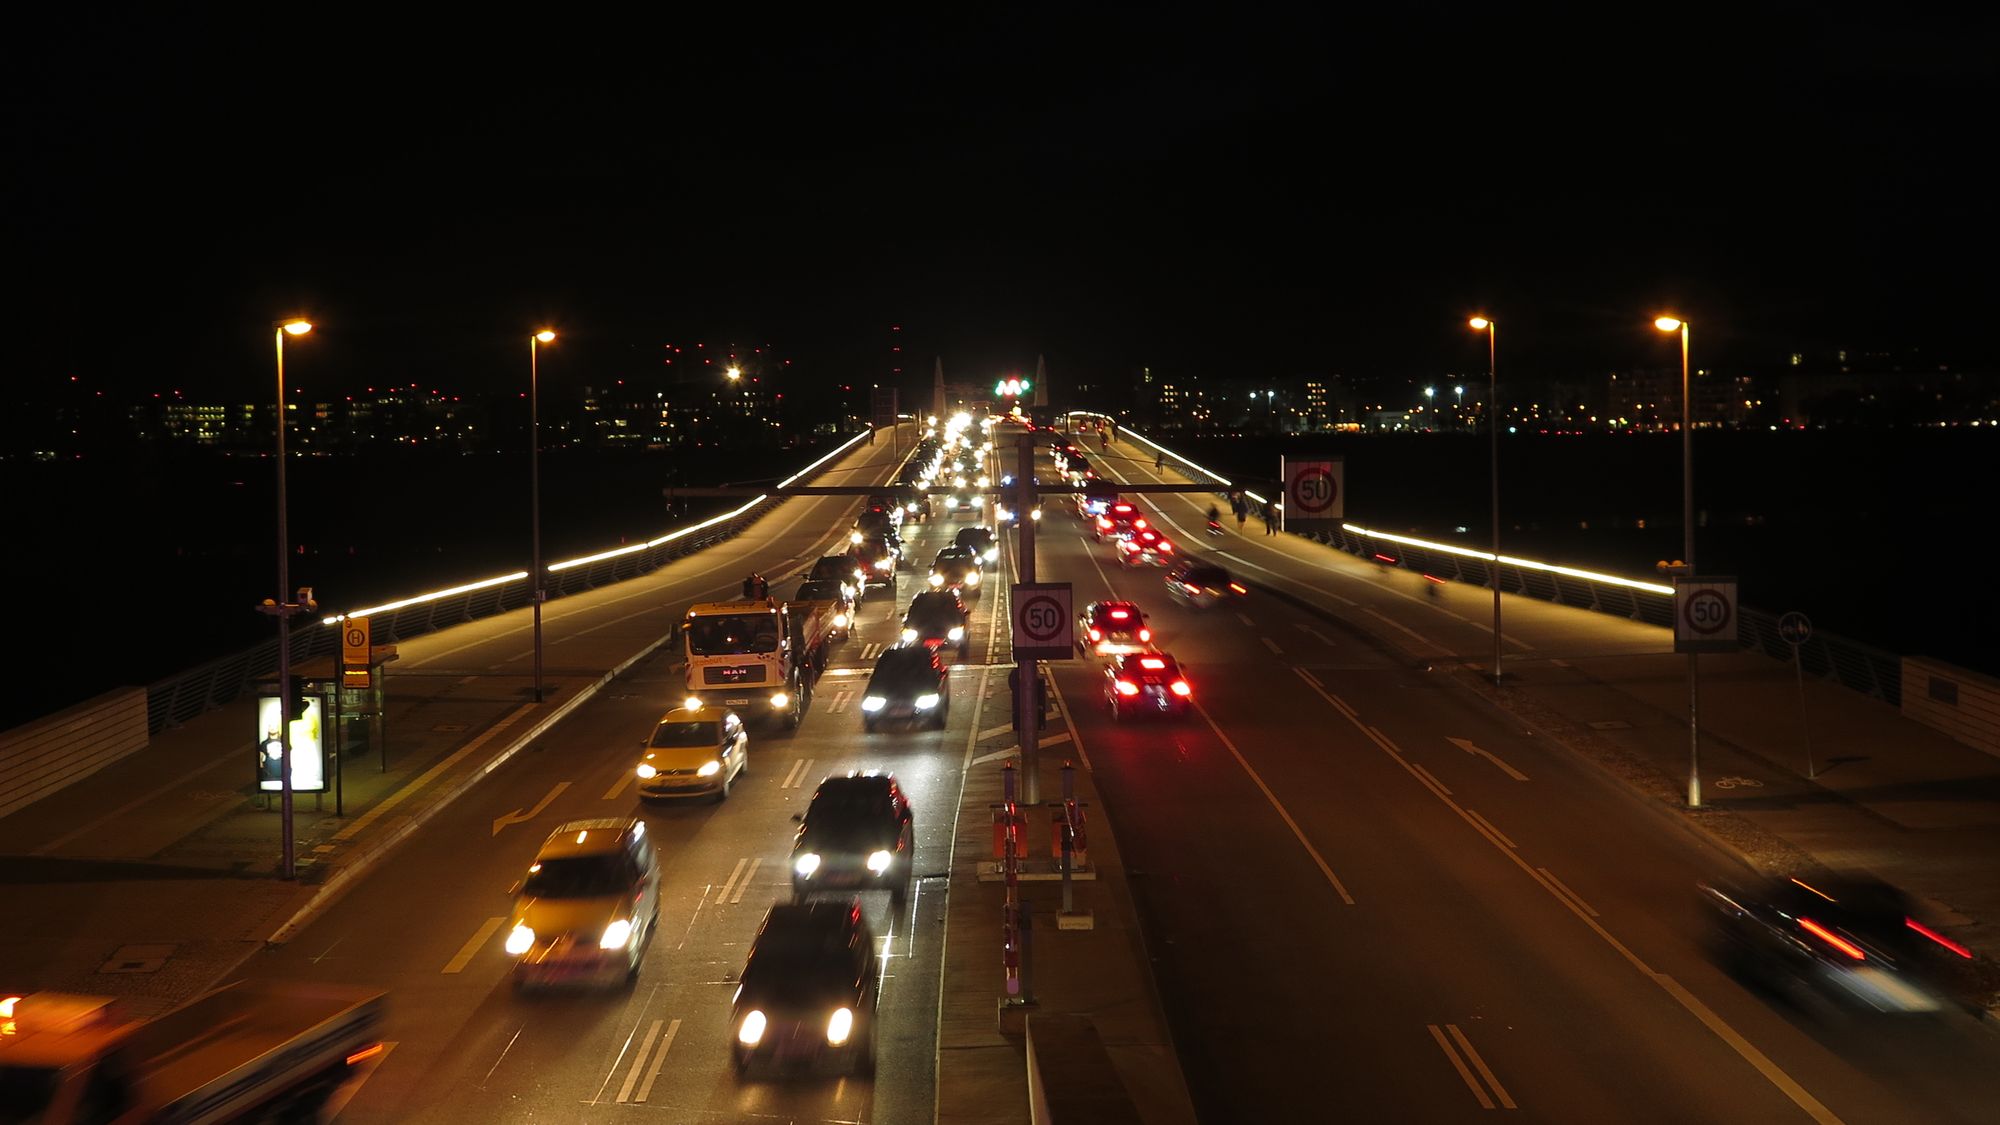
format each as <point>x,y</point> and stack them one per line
<point>471,948</point>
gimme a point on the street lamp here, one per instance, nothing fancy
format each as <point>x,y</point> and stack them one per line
<point>1675,324</point>
<point>535,341</point>
<point>734,373</point>
<point>1485,324</point>
<point>284,610</point>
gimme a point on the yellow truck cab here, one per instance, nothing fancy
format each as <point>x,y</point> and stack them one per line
<point>756,658</point>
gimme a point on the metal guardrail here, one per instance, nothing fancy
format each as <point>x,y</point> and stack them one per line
<point>181,697</point>
<point>1827,656</point>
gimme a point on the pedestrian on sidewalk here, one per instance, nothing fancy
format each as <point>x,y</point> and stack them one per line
<point>1270,514</point>
<point>1242,509</point>
<point>1159,462</point>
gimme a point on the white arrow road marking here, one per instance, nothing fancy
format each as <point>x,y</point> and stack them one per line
<point>471,948</point>
<point>666,1044</point>
<point>519,817</point>
<point>1470,747</point>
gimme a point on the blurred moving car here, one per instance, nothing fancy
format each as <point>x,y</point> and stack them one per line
<point>909,683</point>
<point>844,569</point>
<point>838,599</point>
<point>1853,941</point>
<point>1119,520</point>
<point>808,991</point>
<point>1145,547</point>
<point>955,569</point>
<point>1110,627</point>
<point>980,540</point>
<point>694,754</point>
<point>1146,683</point>
<point>855,835</point>
<point>937,618</point>
<point>1202,585</point>
<point>587,907</point>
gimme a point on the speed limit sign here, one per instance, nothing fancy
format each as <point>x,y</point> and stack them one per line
<point>1043,627</point>
<point>1705,615</point>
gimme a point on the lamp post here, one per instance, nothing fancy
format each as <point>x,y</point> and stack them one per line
<point>284,609</point>
<point>1687,571</point>
<point>1485,324</point>
<point>535,341</point>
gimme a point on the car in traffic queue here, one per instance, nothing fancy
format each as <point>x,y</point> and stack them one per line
<point>588,905</point>
<point>844,569</point>
<point>806,997</point>
<point>1853,942</point>
<point>980,540</point>
<point>1145,547</point>
<point>955,569</point>
<point>694,753</point>
<point>839,600</point>
<point>1146,683</point>
<point>1199,585</point>
<point>1108,628</point>
<point>1090,507</point>
<point>916,503</point>
<point>855,835</point>
<point>937,618</point>
<point>910,683</point>
<point>1119,521</point>
<point>875,560</point>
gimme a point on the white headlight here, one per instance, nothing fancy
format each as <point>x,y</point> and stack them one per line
<point>909,635</point>
<point>854,537</point>
<point>972,579</point>
<point>873,703</point>
<point>978,500</point>
<point>927,701</point>
<point>647,771</point>
<point>885,564</point>
<point>839,1026</point>
<point>806,864</point>
<point>709,768</point>
<point>957,633</point>
<point>992,553</point>
<point>780,699</point>
<point>937,579</point>
<point>692,703</point>
<point>878,861</point>
<point>752,1031</point>
<point>840,621</point>
<point>1036,514</point>
<point>616,936</point>
<point>520,939</point>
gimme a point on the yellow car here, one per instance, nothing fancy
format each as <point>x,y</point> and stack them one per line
<point>694,753</point>
<point>587,907</point>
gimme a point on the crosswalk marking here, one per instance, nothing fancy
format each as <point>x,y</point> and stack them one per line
<point>748,877</point>
<point>666,1044</point>
<point>639,1062</point>
<point>797,777</point>
<point>730,882</point>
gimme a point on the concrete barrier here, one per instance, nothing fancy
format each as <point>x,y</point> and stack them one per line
<point>1962,704</point>
<point>68,746</point>
<point>1071,1078</point>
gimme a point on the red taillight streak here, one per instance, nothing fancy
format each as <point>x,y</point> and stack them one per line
<point>1119,615</point>
<point>1181,688</point>
<point>1127,687</point>
<point>364,1053</point>
<point>1191,587</point>
<point>1238,589</point>
<point>1380,557</point>
<point>1937,937</point>
<point>1832,939</point>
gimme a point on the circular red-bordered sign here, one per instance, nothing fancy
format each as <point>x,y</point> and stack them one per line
<point>1041,618</point>
<point>1707,612</point>
<point>1314,490</point>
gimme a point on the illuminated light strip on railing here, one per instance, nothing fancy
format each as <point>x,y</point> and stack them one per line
<point>566,564</point>
<point>1526,564</point>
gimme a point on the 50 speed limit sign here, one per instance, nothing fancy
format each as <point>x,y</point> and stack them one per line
<point>1705,615</point>
<point>1314,490</point>
<point>1043,626</point>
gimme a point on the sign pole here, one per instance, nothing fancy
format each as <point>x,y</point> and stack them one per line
<point>1028,672</point>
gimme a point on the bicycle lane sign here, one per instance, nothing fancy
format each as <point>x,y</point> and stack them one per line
<point>1705,615</point>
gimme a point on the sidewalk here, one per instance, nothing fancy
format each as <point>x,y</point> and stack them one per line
<point>1888,796</point>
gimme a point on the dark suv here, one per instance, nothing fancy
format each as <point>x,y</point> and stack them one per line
<point>855,835</point>
<point>937,618</point>
<point>808,991</point>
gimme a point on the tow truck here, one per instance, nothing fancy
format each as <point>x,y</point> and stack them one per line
<point>757,658</point>
<point>248,1051</point>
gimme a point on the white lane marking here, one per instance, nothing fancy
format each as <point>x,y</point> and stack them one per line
<point>840,699</point>
<point>1272,645</point>
<point>748,877</point>
<point>1563,887</point>
<point>1458,1064</point>
<point>1308,677</point>
<point>501,1057</point>
<point>624,778</point>
<point>1279,805</point>
<point>365,819</point>
<point>1430,778</point>
<point>1315,633</point>
<point>871,650</point>
<point>471,948</point>
<point>1470,747</point>
<point>729,883</point>
<point>792,778</point>
<point>1245,618</point>
<point>638,1062</point>
<point>1744,1049</point>
<point>666,1044</point>
<point>1053,740</point>
<point>1487,827</point>
<point>1485,1071</point>
<point>519,817</point>
<point>994,732</point>
<point>994,756</point>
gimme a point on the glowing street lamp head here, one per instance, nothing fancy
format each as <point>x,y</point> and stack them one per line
<point>1668,324</point>
<point>297,327</point>
<point>545,336</point>
<point>1479,324</point>
<point>734,372</point>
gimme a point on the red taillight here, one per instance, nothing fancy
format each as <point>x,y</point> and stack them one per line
<point>1238,588</point>
<point>1182,689</point>
<point>364,1054</point>
<point>1145,634</point>
<point>1937,937</point>
<point>1127,687</point>
<point>1120,614</point>
<point>1151,662</point>
<point>1096,634</point>
<point>1140,522</point>
<point>1832,939</point>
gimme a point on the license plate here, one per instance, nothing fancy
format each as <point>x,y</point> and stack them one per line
<point>736,702</point>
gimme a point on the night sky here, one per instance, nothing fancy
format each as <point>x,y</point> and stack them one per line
<point>1199,189</point>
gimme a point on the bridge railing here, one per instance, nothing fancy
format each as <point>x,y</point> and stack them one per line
<point>1859,667</point>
